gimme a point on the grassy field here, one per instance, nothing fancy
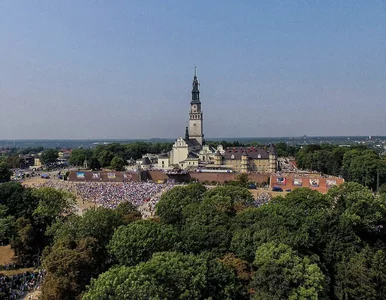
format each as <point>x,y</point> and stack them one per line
<point>17,271</point>
<point>6,255</point>
<point>34,180</point>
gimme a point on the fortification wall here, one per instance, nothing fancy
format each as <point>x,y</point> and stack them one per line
<point>156,176</point>
<point>221,177</point>
<point>202,177</point>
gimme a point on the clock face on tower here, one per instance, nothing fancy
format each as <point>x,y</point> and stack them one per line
<point>194,108</point>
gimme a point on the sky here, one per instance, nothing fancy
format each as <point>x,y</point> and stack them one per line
<point>123,69</point>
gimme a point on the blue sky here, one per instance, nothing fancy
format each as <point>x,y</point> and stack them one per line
<point>123,69</point>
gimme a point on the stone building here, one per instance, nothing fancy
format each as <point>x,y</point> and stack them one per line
<point>196,133</point>
<point>185,150</point>
<point>247,159</point>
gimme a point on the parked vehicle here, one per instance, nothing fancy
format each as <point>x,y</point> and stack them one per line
<point>277,189</point>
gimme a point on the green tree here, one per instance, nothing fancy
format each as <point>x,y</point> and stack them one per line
<point>282,274</point>
<point>68,270</point>
<point>106,285</point>
<point>49,206</point>
<point>285,150</point>
<point>117,163</point>
<point>94,163</point>
<point>20,201</point>
<point>138,241</point>
<point>356,217</point>
<point>136,150</point>
<point>337,160</point>
<point>171,204</point>
<point>129,212</point>
<point>78,156</point>
<point>243,224</point>
<point>229,199</point>
<point>242,180</point>
<point>5,173</point>
<point>241,268</point>
<point>97,223</point>
<point>295,220</point>
<point>80,250</point>
<point>53,203</point>
<point>13,161</point>
<point>205,229</point>
<point>49,156</point>
<point>104,157</point>
<point>362,276</point>
<point>27,243</point>
<point>7,225</point>
<point>168,275</point>
<point>363,168</point>
<point>382,189</point>
<point>357,206</point>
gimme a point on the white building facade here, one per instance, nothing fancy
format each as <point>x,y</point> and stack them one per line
<point>185,151</point>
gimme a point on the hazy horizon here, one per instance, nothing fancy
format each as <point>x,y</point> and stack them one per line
<point>123,70</point>
<point>208,139</point>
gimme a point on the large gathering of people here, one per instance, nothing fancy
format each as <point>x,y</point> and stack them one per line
<point>263,198</point>
<point>144,195</point>
<point>16,286</point>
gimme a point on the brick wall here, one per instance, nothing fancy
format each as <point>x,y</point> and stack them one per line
<point>201,177</point>
<point>289,179</point>
<point>160,176</point>
<point>88,176</point>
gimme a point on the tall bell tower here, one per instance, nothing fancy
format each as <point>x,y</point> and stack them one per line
<point>195,114</point>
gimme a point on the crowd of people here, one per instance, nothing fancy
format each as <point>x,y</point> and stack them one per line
<point>144,195</point>
<point>11,266</point>
<point>16,286</point>
<point>262,198</point>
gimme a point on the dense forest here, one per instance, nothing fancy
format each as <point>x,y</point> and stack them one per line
<point>204,244</point>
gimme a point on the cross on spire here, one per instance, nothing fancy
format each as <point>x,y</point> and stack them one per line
<point>195,90</point>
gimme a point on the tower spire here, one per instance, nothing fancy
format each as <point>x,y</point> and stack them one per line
<point>186,134</point>
<point>195,130</point>
<point>195,90</point>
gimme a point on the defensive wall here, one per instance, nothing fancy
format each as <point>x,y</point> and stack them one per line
<point>205,177</point>
<point>157,176</point>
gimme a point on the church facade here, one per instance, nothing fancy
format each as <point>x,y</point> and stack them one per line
<point>185,152</point>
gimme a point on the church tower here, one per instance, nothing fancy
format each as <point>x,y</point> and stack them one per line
<point>195,114</point>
